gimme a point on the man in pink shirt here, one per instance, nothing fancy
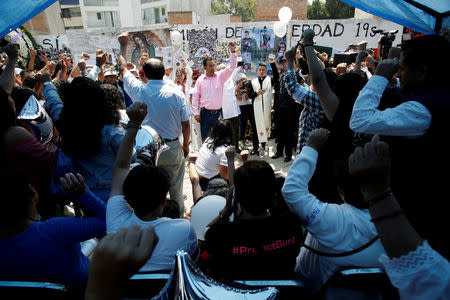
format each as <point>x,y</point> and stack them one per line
<point>208,92</point>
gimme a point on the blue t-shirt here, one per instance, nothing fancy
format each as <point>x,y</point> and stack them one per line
<point>50,251</point>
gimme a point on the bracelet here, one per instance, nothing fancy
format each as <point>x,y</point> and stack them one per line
<point>391,215</point>
<point>379,197</point>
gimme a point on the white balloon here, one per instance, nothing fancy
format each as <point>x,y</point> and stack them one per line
<point>206,210</point>
<point>280,29</point>
<point>285,14</point>
<point>176,37</point>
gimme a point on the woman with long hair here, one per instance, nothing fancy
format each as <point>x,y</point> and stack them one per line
<point>91,133</point>
<point>212,162</point>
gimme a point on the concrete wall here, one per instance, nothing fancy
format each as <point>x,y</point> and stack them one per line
<point>180,18</point>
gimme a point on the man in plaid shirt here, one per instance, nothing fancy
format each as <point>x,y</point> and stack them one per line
<point>312,113</point>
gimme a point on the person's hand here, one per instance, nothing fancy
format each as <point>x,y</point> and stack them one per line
<point>232,46</point>
<point>137,113</point>
<point>122,64</point>
<point>12,51</point>
<point>118,256</point>
<point>185,150</point>
<point>85,56</point>
<point>230,152</point>
<point>371,167</point>
<point>63,65</point>
<point>73,185</point>
<point>82,64</point>
<point>387,68</point>
<point>228,209</point>
<point>33,52</point>
<point>197,118</point>
<point>260,92</point>
<point>183,61</point>
<point>341,68</point>
<point>51,66</point>
<point>318,138</point>
<point>361,46</point>
<point>124,38</point>
<point>100,58</point>
<point>308,37</point>
<point>238,52</point>
<point>169,70</point>
<point>45,77</point>
<point>271,58</point>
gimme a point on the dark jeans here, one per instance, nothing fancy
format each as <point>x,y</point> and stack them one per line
<point>285,119</point>
<point>207,120</point>
<point>235,125</point>
<point>246,115</point>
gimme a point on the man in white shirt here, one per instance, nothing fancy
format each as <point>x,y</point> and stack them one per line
<point>332,228</point>
<point>230,105</point>
<point>414,130</point>
<point>139,196</point>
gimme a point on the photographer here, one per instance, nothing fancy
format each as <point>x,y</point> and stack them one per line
<point>245,94</point>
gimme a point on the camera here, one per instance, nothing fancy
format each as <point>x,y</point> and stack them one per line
<point>386,41</point>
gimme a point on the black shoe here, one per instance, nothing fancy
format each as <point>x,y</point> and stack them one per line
<point>287,158</point>
<point>277,155</point>
<point>254,152</point>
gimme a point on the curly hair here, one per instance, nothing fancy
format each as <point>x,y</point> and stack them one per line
<point>113,102</point>
<point>221,134</point>
<point>83,117</point>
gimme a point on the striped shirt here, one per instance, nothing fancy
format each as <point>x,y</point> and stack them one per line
<point>312,113</point>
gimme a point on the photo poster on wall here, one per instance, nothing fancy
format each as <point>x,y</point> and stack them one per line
<point>256,46</point>
<point>146,42</point>
<point>202,43</point>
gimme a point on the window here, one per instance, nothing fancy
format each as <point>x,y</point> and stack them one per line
<point>101,2</point>
<point>148,1</point>
<point>154,15</point>
<point>71,12</point>
<point>103,19</point>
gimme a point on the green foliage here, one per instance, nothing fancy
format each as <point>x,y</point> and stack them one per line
<point>245,8</point>
<point>330,9</point>
<point>317,10</point>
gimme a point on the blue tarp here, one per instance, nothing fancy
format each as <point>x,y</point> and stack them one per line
<point>14,13</point>
<point>425,16</point>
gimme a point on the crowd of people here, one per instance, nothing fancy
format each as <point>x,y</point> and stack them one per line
<point>363,189</point>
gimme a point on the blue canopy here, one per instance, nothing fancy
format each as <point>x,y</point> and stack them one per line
<point>14,13</point>
<point>425,16</point>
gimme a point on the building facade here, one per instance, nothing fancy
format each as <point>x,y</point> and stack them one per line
<point>136,13</point>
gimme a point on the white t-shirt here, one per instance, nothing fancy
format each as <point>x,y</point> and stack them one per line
<point>208,162</point>
<point>174,234</point>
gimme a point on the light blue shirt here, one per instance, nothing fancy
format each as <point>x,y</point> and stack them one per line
<point>166,108</point>
<point>54,104</point>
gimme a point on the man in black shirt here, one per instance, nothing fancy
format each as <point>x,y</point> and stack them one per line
<point>257,244</point>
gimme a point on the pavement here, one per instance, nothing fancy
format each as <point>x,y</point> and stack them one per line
<point>278,165</point>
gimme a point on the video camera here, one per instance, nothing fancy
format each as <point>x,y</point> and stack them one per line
<point>386,41</point>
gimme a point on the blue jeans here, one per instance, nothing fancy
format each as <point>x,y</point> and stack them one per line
<point>207,120</point>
